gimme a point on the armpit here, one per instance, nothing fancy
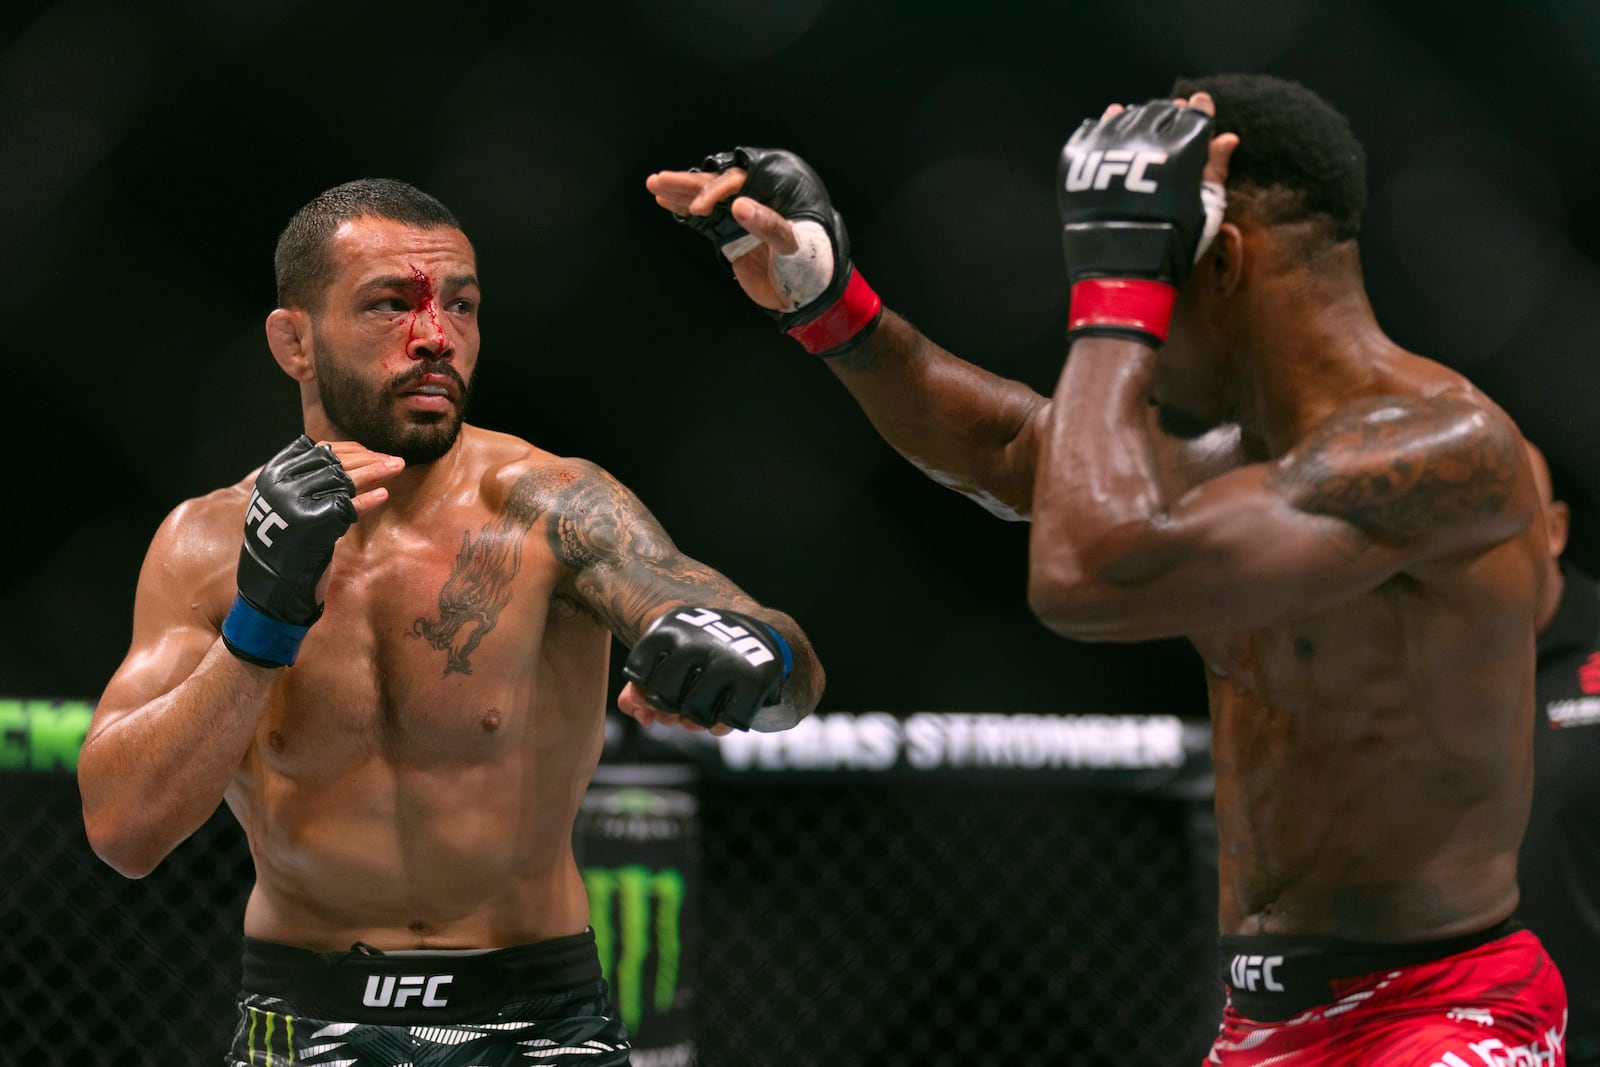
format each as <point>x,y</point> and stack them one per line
<point>1398,468</point>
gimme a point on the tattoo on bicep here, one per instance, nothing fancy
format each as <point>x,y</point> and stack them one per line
<point>625,564</point>
<point>479,585</point>
<point>1395,470</point>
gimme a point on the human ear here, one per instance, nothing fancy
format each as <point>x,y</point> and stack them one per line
<point>289,338</point>
<point>1227,256</point>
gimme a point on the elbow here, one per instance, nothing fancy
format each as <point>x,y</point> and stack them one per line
<point>1101,589</point>
<point>1065,603</point>
<point>1083,605</point>
<point>123,848</point>
<point>1066,591</point>
<point>1060,586</point>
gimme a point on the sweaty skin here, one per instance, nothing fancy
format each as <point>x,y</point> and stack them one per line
<point>1362,585</point>
<point>1363,604</point>
<point>412,781</point>
<point>1351,548</point>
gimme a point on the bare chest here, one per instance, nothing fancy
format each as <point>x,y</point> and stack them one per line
<point>1384,677</point>
<point>1299,693</point>
<point>1357,640</point>
<point>433,652</point>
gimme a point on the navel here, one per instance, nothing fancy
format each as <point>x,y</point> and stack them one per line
<point>1304,649</point>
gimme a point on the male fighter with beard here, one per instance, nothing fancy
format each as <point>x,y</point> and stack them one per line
<point>388,653</point>
<point>1354,549</point>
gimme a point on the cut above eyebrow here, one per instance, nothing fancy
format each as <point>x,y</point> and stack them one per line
<point>407,281</point>
<point>388,281</point>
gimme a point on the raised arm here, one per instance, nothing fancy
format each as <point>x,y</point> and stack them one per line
<point>1384,486</point>
<point>1380,485</point>
<point>180,712</point>
<point>700,646</point>
<point>771,219</point>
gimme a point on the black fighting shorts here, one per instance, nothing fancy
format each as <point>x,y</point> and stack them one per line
<point>543,1003</point>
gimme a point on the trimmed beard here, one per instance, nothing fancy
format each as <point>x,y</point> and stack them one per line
<point>367,417</point>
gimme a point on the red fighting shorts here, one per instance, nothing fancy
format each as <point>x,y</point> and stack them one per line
<point>1500,1003</point>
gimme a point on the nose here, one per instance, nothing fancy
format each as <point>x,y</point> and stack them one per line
<point>428,340</point>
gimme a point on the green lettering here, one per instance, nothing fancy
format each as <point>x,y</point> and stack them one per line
<point>56,732</point>
<point>13,736</point>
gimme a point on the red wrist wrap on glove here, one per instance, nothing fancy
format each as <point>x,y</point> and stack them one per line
<point>1122,303</point>
<point>855,310</point>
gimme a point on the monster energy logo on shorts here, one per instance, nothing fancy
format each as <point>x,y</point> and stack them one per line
<point>626,905</point>
<point>285,1038</point>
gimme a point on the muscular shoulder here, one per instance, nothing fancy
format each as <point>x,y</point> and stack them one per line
<point>1403,468</point>
<point>195,551</point>
<point>206,526</point>
<point>589,517</point>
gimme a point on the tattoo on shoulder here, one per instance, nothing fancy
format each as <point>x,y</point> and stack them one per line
<point>624,564</point>
<point>1396,468</point>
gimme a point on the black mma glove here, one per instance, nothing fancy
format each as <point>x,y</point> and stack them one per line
<point>710,665</point>
<point>1133,217</point>
<point>832,308</point>
<point>301,504</point>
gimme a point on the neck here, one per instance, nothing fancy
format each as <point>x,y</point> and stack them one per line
<point>1312,345</point>
<point>418,485</point>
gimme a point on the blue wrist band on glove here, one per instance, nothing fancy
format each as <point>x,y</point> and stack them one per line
<point>783,646</point>
<point>262,640</point>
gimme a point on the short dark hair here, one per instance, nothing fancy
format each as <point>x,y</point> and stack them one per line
<point>1297,160</point>
<point>302,261</point>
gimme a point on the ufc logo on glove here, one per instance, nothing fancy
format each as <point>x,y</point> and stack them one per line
<point>1094,170</point>
<point>261,513</point>
<point>737,638</point>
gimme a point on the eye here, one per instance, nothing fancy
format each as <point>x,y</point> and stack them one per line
<point>389,305</point>
<point>463,306</point>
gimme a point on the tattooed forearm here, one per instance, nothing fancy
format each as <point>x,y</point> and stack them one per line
<point>625,565</point>
<point>1396,469</point>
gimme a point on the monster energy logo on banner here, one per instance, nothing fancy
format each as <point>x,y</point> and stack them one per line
<point>625,903</point>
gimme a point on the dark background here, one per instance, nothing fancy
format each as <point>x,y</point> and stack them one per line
<point>152,153</point>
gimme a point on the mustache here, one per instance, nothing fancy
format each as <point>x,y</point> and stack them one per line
<point>421,370</point>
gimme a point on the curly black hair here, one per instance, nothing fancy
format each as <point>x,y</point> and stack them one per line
<point>1297,160</point>
<point>304,266</point>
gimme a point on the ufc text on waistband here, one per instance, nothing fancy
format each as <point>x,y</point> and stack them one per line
<point>365,985</point>
<point>1271,978</point>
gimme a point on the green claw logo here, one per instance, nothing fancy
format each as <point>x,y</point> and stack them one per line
<point>624,904</point>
